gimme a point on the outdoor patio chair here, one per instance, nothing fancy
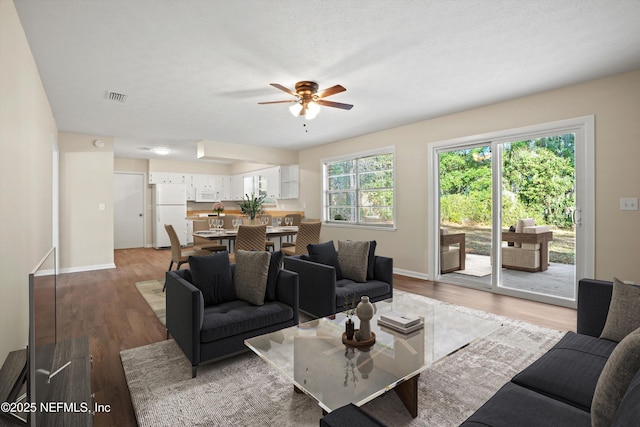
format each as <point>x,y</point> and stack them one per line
<point>530,251</point>
<point>452,258</point>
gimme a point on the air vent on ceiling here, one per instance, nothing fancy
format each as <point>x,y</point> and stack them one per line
<point>115,96</point>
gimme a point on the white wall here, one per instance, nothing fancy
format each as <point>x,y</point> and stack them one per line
<point>86,184</point>
<point>27,131</point>
<point>615,103</point>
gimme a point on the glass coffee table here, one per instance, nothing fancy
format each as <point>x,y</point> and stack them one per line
<point>312,356</point>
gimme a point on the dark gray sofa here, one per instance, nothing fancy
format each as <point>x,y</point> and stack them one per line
<point>557,389</point>
<point>322,295</point>
<point>205,333</point>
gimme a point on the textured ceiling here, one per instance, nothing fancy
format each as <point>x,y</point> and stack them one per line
<point>196,69</point>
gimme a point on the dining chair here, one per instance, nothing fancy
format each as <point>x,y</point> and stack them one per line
<point>250,238</point>
<point>297,218</point>
<point>270,244</point>
<point>308,233</point>
<point>179,256</point>
<point>228,221</point>
<point>203,244</point>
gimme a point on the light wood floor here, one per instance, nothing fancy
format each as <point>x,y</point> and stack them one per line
<point>106,306</point>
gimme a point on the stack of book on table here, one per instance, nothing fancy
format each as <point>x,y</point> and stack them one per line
<point>401,322</point>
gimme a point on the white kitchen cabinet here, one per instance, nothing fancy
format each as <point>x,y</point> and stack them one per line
<point>289,183</point>
<point>272,182</point>
<point>236,187</point>
<point>166,178</point>
<point>189,232</point>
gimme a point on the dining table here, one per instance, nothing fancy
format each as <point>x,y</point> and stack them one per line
<point>230,234</point>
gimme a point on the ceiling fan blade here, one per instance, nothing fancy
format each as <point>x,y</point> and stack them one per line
<point>330,91</point>
<point>284,89</point>
<point>334,104</point>
<point>278,102</point>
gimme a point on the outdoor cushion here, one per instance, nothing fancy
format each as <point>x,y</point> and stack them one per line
<point>513,406</point>
<point>624,315</point>
<point>615,378</point>
<point>353,257</point>
<point>250,277</point>
<point>236,317</point>
<point>569,371</point>
<point>212,275</point>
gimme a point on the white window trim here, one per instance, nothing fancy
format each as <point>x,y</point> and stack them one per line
<point>390,149</point>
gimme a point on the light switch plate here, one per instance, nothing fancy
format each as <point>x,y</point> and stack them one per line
<point>628,203</point>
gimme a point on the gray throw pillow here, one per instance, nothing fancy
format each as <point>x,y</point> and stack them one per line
<point>624,315</point>
<point>354,259</point>
<point>622,366</point>
<point>250,277</point>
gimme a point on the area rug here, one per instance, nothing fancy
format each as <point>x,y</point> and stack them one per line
<point>151,290</point>
<point>245,390</point>
<point>476,265</point>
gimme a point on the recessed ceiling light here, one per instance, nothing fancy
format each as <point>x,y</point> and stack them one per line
<point>163,151</point>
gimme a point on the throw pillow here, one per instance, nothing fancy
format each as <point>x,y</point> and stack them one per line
<point>622,366</point>
<point>212,275</point>
<point>520,225</point>
<point>623,316</point>
<point>250,277</point>
<point>372,259</point>
<point>325,253</point>
<point>353,258</point>
<point>274,272</point>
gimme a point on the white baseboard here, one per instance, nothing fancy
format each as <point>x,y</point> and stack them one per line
<point>87,268</point>
<point>409,273</point>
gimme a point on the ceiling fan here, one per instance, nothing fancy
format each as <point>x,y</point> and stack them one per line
<point>308,99</point>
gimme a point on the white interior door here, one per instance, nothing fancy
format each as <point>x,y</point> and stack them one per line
<point>128,192</point>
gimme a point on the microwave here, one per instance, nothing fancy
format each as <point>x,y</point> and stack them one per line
<point>207,195</point>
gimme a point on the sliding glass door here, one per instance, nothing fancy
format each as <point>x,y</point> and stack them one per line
<point>466,219</point>
<point>509,209</point>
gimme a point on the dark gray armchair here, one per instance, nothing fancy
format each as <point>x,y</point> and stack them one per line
<point>321,294</point>
<point>205,333</point>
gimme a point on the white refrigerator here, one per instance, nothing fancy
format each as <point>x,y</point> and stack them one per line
<point>169,204</point>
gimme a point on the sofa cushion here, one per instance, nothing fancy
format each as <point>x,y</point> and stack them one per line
<point>353,258</point>
<point>212,275</point>
<point>325,253</point>
<point>274,272</point>
<point>250,277</point>
<point>622,366</point>
<point>351,290</point>
<point>513,406</point>
<point>623,316</point>
<point>372,260</point>
<point>237,317</point>
<point>628,413</point>
<point>569,371</point>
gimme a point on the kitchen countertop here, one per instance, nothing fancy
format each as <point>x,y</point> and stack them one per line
<point>195,214</point>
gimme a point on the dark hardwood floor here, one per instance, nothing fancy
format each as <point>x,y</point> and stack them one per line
<point>106,306</point>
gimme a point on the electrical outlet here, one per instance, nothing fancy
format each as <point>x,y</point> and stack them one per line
<point>628,203</point>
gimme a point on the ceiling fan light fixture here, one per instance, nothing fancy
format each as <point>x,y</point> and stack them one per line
<point>295,109</point>
<point>312,110</point>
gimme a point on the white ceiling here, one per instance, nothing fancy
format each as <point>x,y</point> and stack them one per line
<point>196,69</point>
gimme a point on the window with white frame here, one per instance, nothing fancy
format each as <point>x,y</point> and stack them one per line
<point>359,189</point>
